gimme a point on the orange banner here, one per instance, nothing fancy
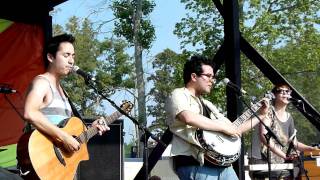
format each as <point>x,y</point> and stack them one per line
<point>21,58</point>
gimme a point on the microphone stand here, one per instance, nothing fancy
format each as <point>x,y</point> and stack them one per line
<point>146,132</point>
<point>297,104</point>
<point>270,134</point>
<point>301,167</point>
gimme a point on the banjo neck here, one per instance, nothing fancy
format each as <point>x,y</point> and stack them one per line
<point>247,114</point>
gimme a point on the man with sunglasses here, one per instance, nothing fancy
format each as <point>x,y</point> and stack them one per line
<point>281,123</point>
<point>186,113</point>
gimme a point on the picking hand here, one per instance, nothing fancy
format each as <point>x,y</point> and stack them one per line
<point>291,157</point>
<point>70,143</point>
<point>231,131</point>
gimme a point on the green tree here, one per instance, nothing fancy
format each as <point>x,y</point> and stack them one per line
<point>133,24</point>
<point>168,67</point>
<point>115,69</point>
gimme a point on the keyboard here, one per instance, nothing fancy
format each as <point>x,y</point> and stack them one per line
<point>264,167</point>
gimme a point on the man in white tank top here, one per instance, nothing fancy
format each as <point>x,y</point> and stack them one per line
<point>46,103</point>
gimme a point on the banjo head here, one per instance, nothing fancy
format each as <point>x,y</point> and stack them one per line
<point>220,149</point>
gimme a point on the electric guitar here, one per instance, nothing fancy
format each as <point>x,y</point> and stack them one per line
<point>46,158</point>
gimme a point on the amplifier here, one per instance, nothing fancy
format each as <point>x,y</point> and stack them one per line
<point>105,155</point>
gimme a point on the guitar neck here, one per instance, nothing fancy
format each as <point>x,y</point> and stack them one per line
<point>247,114</point>
<point>92,131</point>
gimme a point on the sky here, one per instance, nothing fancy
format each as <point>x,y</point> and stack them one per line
<point>164,17</point>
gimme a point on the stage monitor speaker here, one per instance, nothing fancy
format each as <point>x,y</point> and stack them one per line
<point>106,155</point>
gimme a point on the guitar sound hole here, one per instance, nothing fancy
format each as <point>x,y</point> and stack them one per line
<point>59,155</point>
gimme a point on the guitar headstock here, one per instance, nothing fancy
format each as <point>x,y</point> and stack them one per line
<point>126,106</point>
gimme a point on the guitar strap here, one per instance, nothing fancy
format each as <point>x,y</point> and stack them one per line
<point>205,110</point>
<point>73,108</point>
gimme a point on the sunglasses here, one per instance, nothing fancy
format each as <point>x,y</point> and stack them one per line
<point>284,91</point>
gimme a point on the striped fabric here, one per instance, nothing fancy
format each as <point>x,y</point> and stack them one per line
<point>58,109</point>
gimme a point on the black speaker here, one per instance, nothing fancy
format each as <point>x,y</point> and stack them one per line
<point>106,155</point>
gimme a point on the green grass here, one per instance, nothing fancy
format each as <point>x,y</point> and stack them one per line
<point>8,156</point>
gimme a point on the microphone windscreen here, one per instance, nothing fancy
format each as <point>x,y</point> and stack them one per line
<point>226,80</point>
<point>75,69</point>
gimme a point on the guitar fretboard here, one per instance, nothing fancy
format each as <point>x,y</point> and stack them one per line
<point>92,131</point>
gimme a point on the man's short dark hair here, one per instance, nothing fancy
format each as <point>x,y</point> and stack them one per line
<point>54,42</point>
<point>194,65</point>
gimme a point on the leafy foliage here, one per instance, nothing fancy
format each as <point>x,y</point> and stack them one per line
<point>115,69</point>
<point>201,28</point>
<point>124,25</point>
<point>168,67</point>
<point>133,24</point>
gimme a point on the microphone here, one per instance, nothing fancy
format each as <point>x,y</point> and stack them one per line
<point>227,82</point>
<point>86,76</point>
<point>7,90</point>
<point>290,98</point>
<point>290,141</point>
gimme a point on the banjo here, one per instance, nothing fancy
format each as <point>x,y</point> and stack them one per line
<point>221,149</point>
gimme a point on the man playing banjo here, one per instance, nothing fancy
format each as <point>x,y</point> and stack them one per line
<point>188,111</point>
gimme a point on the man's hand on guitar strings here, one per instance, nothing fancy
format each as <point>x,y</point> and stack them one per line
<point>238,134</point>
<point>101,125</point>
<point>231,130</point>
<point>70,143</point>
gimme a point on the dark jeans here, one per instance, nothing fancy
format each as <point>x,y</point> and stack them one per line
<point>187,168</point>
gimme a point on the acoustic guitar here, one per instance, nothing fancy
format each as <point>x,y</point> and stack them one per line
<point>41,157</point>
